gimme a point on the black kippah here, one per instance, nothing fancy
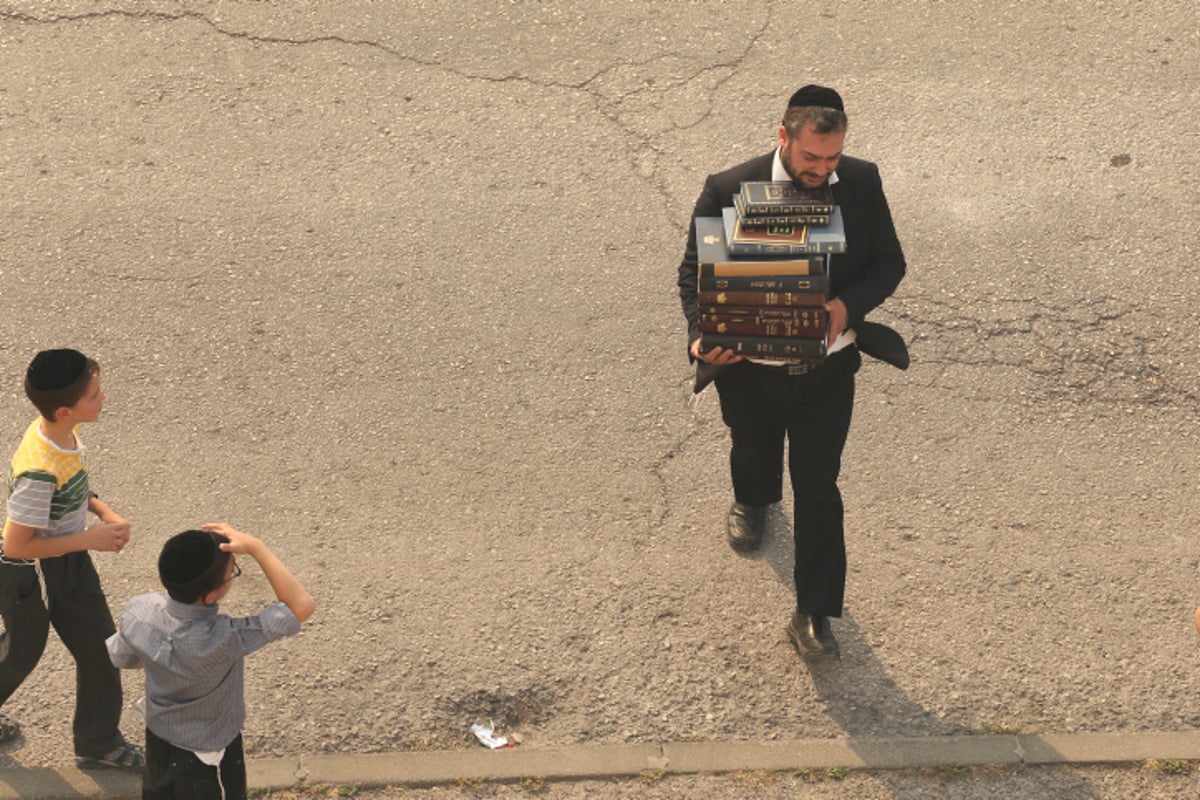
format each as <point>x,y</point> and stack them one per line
<point>813,95</point>
<point>51,370</point>
<point>189,559</point>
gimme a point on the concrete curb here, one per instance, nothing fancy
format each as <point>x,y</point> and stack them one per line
<point>614,761</point>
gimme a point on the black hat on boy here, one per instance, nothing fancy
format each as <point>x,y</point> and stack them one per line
<point>191,564</point>
<point>52,370</point>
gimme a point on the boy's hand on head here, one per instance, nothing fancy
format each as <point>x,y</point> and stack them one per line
<point>239,543</point>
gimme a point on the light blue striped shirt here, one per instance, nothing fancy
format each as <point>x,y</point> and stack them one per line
<point>194,656</point>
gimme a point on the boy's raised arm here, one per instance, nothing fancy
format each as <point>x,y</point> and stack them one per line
<point>287,588</point>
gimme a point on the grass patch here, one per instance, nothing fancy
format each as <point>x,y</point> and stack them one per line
<point>470,783</point>
<point>1169,766</point>
<point>754,778</point>
<point>534,783</point>
<point>317,790</point>
<point>653,775</point>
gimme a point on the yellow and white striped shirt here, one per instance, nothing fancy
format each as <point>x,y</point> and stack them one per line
<point>47,485</point>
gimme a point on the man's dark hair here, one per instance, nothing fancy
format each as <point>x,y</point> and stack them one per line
<point>823,119</point>
<point>58,379</point>
<point>192,564</point>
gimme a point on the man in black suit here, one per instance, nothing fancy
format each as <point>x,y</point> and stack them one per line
<point>763,402</point>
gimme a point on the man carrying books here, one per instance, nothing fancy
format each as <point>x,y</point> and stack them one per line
<point>807,403</point>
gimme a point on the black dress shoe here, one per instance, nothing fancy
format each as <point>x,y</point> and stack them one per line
<point>812,636</point>
<point>746,526</point>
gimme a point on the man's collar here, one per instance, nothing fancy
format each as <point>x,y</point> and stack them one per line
<point>778,173</point>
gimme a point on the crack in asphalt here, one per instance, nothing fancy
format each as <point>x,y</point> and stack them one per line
<point>1055,348</point>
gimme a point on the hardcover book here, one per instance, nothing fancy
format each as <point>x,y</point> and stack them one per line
<point>784,240</point>
<point>768,346</point>
<point>749,298</point>
<point>762,221</point>
<point>784,198</point>
<point>762,314</point>
<point>715,261</point>
<point>790,330</point>
<point>764,283</point>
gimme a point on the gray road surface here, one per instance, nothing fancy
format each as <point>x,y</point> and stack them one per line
<point>392,285</point>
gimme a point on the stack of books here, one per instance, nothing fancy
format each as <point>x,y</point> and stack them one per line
<point>764,270</point>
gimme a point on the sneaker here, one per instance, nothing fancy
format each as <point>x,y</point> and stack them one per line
<point>127,756</point>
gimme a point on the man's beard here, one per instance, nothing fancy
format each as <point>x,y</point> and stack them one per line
<point>786,160</point>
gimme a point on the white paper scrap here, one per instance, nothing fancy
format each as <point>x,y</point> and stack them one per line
<point>485,735</point>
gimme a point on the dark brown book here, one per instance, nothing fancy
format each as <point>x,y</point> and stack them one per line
<point>776,198</point>
<point>762,314</point>
<point>767,346</point>
<point>790,330</point>
<point>764,283</point>
<point>746,298</point>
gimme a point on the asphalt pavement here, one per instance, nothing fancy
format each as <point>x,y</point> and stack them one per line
<point>393,286</point>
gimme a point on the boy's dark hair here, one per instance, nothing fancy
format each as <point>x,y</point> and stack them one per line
<point>57,379</point>
<point>191,565</point>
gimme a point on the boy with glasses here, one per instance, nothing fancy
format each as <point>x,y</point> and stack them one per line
<point>193,656</point>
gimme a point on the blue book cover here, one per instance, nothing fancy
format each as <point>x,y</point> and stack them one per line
<point>784,239</point>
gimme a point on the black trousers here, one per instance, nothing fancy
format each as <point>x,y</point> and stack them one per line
<point>79,613</point>
<point>762,407</point>
<point>173,773</point>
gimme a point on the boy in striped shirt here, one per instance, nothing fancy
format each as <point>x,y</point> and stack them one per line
<point>194,660</point>
<point>46,574</point>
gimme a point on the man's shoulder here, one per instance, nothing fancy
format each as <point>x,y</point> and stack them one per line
<point>757,168</point>
<point>851,168</point>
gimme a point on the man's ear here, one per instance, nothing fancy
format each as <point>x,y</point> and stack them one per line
<point>783,136</point>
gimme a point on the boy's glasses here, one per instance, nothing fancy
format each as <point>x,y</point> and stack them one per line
<point>236,572</point>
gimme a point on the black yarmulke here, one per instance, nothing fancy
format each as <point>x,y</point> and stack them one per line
<point>51,370</point>
<point>813,95</point>
<point>188,560</point>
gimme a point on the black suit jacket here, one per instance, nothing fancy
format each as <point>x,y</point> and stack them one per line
<point>863,277</point>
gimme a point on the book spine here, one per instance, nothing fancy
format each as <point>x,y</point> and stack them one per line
<point>766,248</point>
<point>772,347</point>
<point>759,223</point>
<point>763,314</point>
<point>778,268</point>
<point>746,298</point>
<point>790,330</point>
<point>764,283</point>
<point>750,209</point>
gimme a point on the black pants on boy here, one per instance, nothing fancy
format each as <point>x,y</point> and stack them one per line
<point>762,406</point>
<point>173,773</point>
<point>79,613</point>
